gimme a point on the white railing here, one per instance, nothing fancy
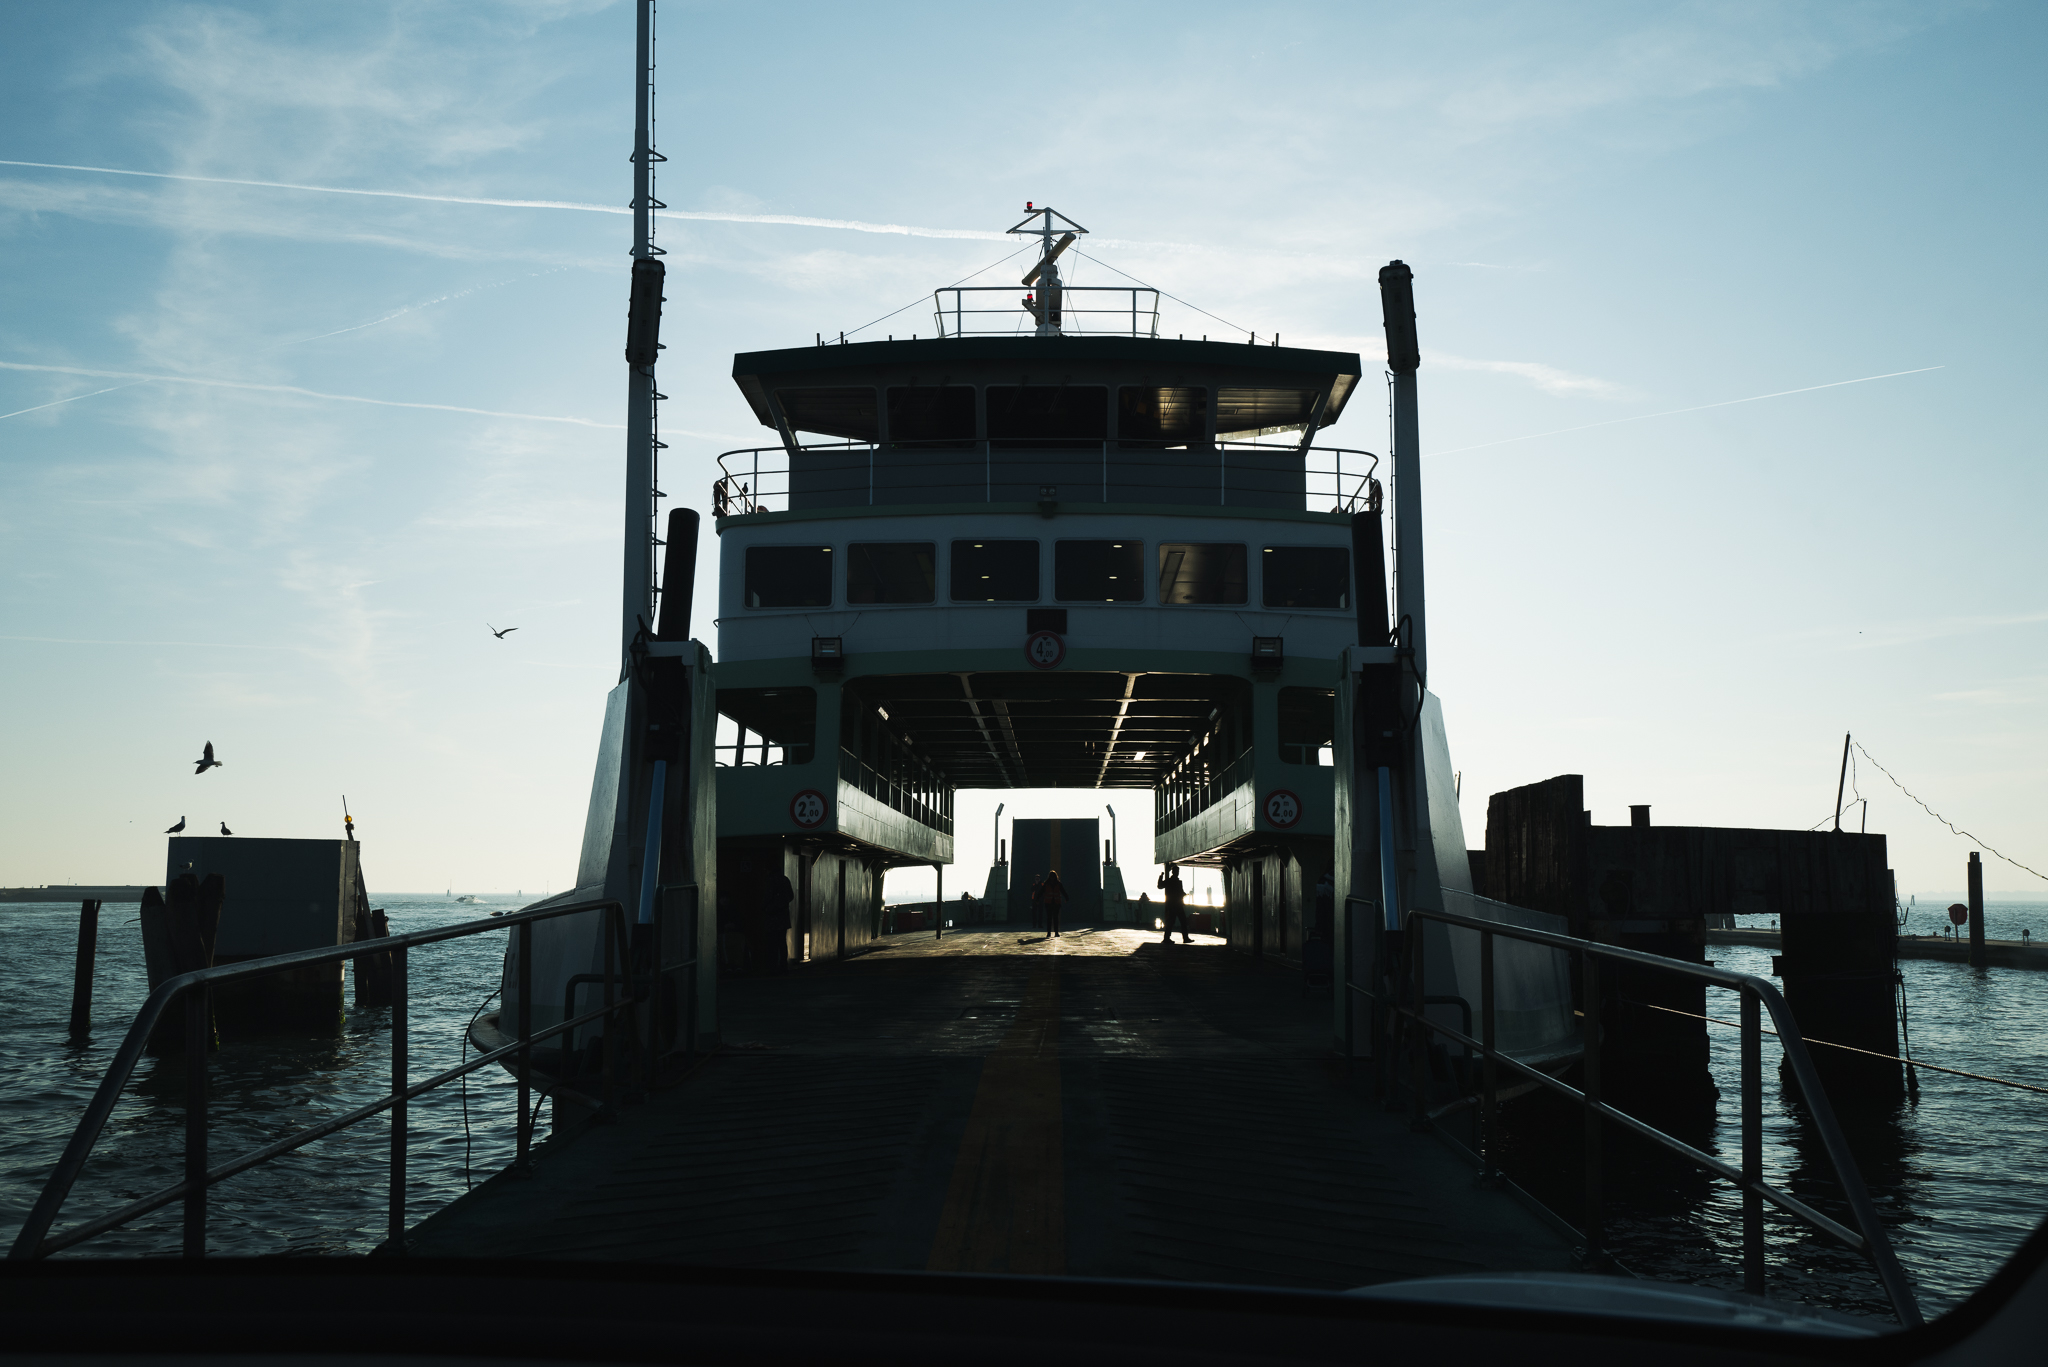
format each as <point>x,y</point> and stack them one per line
<point>1085,310</point>
<point>843,475</point>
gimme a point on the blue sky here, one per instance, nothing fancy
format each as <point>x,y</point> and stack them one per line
<point>376,423</point>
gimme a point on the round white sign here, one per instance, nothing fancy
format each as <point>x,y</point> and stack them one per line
<point>1045,649</point>
<point>807,808</point>
<point>1282,807</point>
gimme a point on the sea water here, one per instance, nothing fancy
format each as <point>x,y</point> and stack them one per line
<point>330,1197</point>
<point>1960,1177</point>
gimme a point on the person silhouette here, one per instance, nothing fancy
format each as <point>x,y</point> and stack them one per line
<point>1051,893</point>
<point>1176,905</point>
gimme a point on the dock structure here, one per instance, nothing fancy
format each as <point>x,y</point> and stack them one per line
<point>1103,1105</point>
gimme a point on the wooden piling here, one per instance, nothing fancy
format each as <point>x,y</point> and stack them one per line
<point>190,921</point>
<point>1977,959</point>
<point>81,974</point>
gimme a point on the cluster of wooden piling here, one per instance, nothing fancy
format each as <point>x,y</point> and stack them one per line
<point>179,927</point>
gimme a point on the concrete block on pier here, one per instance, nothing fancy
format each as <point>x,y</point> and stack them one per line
<point>281,895</point>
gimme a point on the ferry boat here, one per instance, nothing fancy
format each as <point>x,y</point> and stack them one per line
<point>1045,546</point>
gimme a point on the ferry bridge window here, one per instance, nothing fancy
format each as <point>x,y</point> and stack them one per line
<point>1308,725</point>
<point>995,571</point>
<point>1307,576</point>
<point>932,415</point>
<point>789,577</point>
<point>890,571</point>
<point>1098,571</point>
<point>1048,415</point>
<point>766,726</point>
<point>847,411</point>
<point>1244,412</point>
<point>1161,415</point>
<point>1201,572</point>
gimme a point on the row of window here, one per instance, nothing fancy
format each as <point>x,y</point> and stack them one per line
<point>1041,415</point>
<point>990,571</point>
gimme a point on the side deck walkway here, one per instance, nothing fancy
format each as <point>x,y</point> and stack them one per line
<point>1098,1105</point>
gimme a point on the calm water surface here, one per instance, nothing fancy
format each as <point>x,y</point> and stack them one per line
<point>1961,1176</point>
<point>329,1197</point>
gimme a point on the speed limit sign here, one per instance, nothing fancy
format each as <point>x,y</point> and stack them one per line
<point>1045,649</point>
<point>807,808</point>
<point>1283,808</point>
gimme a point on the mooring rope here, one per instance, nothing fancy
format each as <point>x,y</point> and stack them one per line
<point>1829,1044</point>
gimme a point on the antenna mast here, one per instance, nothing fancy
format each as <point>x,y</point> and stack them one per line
<point>1045,305</point>
<point>643,347</point>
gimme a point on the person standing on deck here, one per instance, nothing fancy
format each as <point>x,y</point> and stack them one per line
<point>1176,905</point>
<point>1051,893</point>
<point>777,894</point>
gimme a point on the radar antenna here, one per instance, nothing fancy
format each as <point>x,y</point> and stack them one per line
<point>1045,304</point>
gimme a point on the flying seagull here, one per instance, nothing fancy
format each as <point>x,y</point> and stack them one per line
<point>207,761</point>
<point>175,829</point>
<point>501,635</point>
<point>224,829</point>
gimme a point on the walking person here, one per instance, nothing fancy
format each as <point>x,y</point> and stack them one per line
<point>1176,905</point>
<point>1051,893</point>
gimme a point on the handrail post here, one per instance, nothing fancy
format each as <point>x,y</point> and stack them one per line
<point>1350,1012</point>
<point>1418,1030</point>
<point>525,1125</point>
<point>401,1069</point>
<point>1489,1113</point>
<point>1589,1026</point>
<point>197,1037</point>
<point>1752,1145</point>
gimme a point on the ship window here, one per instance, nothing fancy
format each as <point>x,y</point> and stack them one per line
<point>1308,725</point>
<point>847,412</point>
<point>1048,415</point>
<point>1247,412</point>
<point>890,571</point>
<point>941,416</point>
<point>1161,416</point>
<point>1201,572</point>
<point>1307,576</point>
<point>1098,571</point>
<point>761,726</point>
<point>995,571</point>
<point>789,576</point>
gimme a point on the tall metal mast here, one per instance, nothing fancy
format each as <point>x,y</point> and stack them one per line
<point>1404,358</point>
<point>1046,275</point>
<point>643,346</point>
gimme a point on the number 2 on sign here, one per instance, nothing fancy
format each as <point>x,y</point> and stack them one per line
<point>807,808</point>
<point>1282,807</point>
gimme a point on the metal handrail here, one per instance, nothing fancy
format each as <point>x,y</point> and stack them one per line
<point>1177,801</point>
<point>740,488</point>
<point>1020,317</point>
<point>34,1239</point>
<point>1758,994</point>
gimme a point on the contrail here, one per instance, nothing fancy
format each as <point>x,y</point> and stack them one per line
<point>1696,408</point>
<point>792,220</point>
<point>73,399</point>
<point>208,645</point>
<point>307,393</point>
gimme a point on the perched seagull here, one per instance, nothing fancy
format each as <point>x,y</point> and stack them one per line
<point>207,761</point>
<point>175,829</point>
<point>501,635</point>
<point>224,829</point>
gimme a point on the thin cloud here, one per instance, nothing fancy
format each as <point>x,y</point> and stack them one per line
<point>791,220</point>
<point>1548,378</point>
<point>317,394</point>
<point>1696,408</point>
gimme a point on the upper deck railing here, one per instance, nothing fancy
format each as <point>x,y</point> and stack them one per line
<point>1084,310</point>
<point>1250,475</point>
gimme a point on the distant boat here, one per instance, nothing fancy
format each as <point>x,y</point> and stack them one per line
<point>465,899</point>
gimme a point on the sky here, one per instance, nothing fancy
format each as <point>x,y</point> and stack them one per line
<point>272,457</point>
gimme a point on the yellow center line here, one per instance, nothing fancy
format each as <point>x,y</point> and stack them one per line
<point>1005,1207</point>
